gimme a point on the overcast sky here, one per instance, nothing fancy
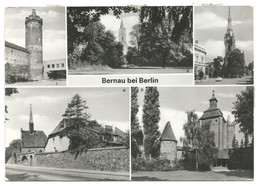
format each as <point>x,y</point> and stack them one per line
<point>211,26</point>
<point>109,106</point>
<point>113,24</point>
<point>175,101</point>
<point>54,43</point>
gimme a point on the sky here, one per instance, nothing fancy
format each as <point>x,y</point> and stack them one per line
<point>175,101</point>
<point>211,25</point>
<point>54,43</point>
<point>109,106</point>
<point>113,24</point>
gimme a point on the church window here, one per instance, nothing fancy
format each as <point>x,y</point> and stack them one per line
<point>53,65</point>
<point>40,151</point>
<point>49,66</point>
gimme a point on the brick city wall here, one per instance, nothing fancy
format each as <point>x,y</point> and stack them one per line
<point>104,159</point>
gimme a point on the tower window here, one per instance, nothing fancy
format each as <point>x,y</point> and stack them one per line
<point>62,65</point>
<point>48,66</point>
<point>53,66</point>
<point>57,65</point>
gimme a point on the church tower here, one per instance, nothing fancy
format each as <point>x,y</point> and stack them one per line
<point>122,36</point>
<point>31,124</point>
<point>33,42</point>
<point>213,102</point>
<point>229,39</point>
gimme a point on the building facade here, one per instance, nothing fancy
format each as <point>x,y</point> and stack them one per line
<point>54,68</point>
<point>200,61</point>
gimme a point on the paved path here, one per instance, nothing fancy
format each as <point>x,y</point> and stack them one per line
<point>193,175</point>
<point>27,173</point>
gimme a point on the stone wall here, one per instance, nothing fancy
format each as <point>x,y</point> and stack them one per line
<point>169,149</point>
<point>104,159</point>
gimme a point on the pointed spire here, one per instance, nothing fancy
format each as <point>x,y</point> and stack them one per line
<point>213,101</point>
<point>229,20</point>
<point>122,25</point>
<point>31,116</point>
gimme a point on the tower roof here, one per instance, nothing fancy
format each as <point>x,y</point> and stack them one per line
<point>31,115</point>
<point>33,17</point>
<point>167,134</point>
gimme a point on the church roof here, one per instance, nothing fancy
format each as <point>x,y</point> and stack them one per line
<point>17,47</point>
<point>61,126</point>
<point>122,25</point>
<point>211,113</point>
<point>168,134</point>
<point>37,139</point>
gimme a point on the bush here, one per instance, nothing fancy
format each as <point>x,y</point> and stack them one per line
<point>241,158</point>
<point>155,164</point>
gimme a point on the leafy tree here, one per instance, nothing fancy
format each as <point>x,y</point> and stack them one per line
<point>135,36</point>
<point>236,64</point>
<point>244,111</point>
<point>80,17</point>
<point>132,56</point>
<point>151,118</point>
<point>134,109</point>
<point>15,145</point>
<point>9,92</point>
<point>217,66</point>
<point>201,140</point>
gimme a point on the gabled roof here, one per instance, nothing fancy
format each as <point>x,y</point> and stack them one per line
<point>119,132</point>
<point>167,134</point>
<point>17,47</point>
<point>37,139</point>
<point>61,126</point>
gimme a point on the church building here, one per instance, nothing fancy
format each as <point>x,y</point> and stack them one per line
<point>224,130</point>
<point>32,140</point>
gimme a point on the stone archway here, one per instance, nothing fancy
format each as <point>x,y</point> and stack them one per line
<point>24,160</point>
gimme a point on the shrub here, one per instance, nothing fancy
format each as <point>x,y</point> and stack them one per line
<point>241,158</point>
<point>155,164</point>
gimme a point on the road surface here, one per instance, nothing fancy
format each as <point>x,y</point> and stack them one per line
<point>27,173</point>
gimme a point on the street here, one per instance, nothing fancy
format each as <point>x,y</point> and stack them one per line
<point>27,173</point>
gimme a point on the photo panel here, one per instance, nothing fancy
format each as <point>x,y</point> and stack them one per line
<point>67,134</point>
<point>192,133</point>
<point>130,40</point>
<point>224,45</point>
<point>35,46</point>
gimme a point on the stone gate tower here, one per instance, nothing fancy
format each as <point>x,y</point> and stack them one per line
<point>229,39</point>
<point>122,36</point>
<point>33,42</point>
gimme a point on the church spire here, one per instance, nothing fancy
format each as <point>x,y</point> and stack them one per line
<point>31,124</point>
<point>229,21</point>
<point>122,25</point>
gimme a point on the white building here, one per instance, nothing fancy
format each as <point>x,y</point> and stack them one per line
<point>200,60</point>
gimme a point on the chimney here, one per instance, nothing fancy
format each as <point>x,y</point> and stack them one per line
<point>31,124</point>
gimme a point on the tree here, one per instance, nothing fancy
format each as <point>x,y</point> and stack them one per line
<point>80,17</point>
<point>134,109</point>
<point>76,119</point>
<point>217,66</point>
<point>76,112</point>
<point>9,92</point>
<point>201,141</point>
<point>236,64</point>
<point>14,145</point>
<point>151,118</point>
<point>135,36</point>
<point>244,111</point>
<point>246,140</point>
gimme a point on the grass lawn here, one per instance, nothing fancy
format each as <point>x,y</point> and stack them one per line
<point>233,175</point>
<point>239,81</point>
